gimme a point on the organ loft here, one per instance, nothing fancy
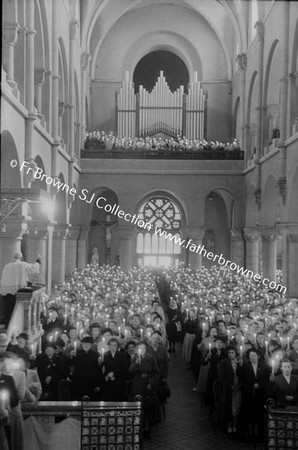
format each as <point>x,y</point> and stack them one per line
<point>148,147</point>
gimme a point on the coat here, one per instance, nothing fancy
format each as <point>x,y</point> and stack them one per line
<point>114,390</point>
<point>87,374</point>
<point>280,388</point>
<point>228,382</point>
<point>161,356</point>
<point>253,400</point>
<point>49,367</point>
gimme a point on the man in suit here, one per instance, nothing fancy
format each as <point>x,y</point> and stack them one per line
<point>50,372</point>
<point>254,376</point>
<point>284,387</point>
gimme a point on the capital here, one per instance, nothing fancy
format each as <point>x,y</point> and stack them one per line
<point>270,235</point>
<point>73,26</point>
<point>241,59</point>
<point>85,60</point>
<point>251,235</point>
<point>39,76</point>
<point>10,33</point>
<point>260,28</point>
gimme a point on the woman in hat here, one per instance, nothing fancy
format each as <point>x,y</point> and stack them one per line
<point>174,324</point>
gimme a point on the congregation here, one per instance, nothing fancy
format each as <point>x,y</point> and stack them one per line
<point>109,335</point>
<point>108,141</point>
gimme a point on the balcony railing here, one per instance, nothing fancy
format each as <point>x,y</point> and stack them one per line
<point>100,153</point>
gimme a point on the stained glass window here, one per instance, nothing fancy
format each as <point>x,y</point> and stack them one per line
<point>153,249</point>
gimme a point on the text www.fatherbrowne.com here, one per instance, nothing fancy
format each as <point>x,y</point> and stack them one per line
<point>200,249</point>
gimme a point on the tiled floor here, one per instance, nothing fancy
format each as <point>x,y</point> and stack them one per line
<point>186,426</point>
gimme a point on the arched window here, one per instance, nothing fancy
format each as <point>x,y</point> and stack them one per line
<point>161,246</point>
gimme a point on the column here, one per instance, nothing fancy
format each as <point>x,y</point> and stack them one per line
<point>55,86</point>
<point>252,237</point>
<point>39,78</point>
<point>242,62</point>
<point>20,63</point>
<point>237,247</point>
<point>61,111</point>
<point>10,36</point>
<point>35,243</point>
<point>29,79</point>
<point>292,264</point>
<point>194,257</point>
<point>269,238</point>
<point>282,182</point>
<point>71,251</point>
<point>125,236</point>
<point>58,256</point>
<point>46,104</point>
<point>85,60</point>
<point>83,247</point>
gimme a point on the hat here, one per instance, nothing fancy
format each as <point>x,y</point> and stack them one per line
<point>87,340</point>
<point>220,338</point>
<point>23,336</point>
<point>50,344</point>
<point>94,325</point>
<point>53,308</point>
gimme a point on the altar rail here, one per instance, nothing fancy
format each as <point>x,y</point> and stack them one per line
<point>99,153</point>
<point>26,315</point>
<point>103,425</point>
<point>281,428</point>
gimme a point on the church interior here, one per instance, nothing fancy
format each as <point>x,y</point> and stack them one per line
<point>124,117</point>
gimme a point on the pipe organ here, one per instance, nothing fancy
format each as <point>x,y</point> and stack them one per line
<point>160,111</point>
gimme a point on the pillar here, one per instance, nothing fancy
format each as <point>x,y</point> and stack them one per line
<point>55,86</point>
<point>85,60</point>
<point>284,23</point>
<point>292,264</point>
<point>10,36</point>
<point>30,36</point>
<point>58,256</point>
<point>46,104</point>
<point>39,78</point>
<point>71,250</point>
<point>125,236</point>
<point>252,237</point>
<point>194,257</point>
<point>83,247</point>
<point>237,247</point>
<point>269,254</point>
<point>242,61</point>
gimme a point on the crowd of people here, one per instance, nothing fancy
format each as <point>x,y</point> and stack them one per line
<point>109,335</point>
<point>108,141</point>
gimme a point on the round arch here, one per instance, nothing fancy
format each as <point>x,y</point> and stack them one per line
<point>10,177</point>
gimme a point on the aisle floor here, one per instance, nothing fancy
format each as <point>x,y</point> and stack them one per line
<point>187,426</point>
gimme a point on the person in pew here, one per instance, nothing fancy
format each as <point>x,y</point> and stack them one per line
<point>293,356</point>
<point>14,277</point>
<point>53,323</point>
<point>33,384</point>
<point>114,388</point>
<point>87,374</point>
<point>50,372</point>
<point>10,400</point>
<point>284,388</point>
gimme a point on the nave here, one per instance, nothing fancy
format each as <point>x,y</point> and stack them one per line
<point>187,424</point>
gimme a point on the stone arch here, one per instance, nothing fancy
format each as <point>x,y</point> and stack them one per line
<point>102,222</point>
<point>217,234</point>
<point>10,177</point>
<point>294,83</point>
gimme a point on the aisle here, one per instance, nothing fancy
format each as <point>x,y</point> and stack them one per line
<point>186,426</point>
